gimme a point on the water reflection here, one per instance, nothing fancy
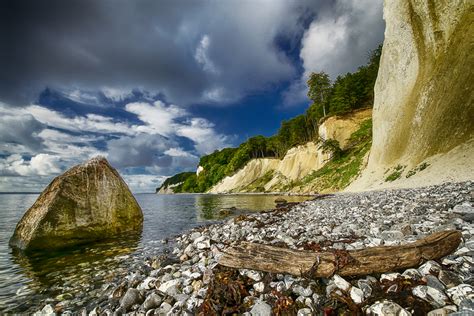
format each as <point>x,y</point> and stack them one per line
<point>77,275</point>
<point>209,206</point>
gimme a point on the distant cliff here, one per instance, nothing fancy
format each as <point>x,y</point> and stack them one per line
<point>423,109</point>
<point>174,183</point>
<point>295,171</point>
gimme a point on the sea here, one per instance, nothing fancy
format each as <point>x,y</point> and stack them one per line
<point>76,275</point>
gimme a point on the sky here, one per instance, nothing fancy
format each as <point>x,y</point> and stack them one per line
<point>153,85</point>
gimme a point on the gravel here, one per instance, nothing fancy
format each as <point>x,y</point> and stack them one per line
<point>181,282</point>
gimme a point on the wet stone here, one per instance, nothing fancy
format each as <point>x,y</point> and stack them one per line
<point>357,295</point>
<point>460,293</point>
<point>430,267</point>
<point>341,283</point>
<point>304,312</point>
<point>433,282</point>
<point>131,297</point>
<point>433,296</point>
<point>385,308</point>
<point>446,310</point>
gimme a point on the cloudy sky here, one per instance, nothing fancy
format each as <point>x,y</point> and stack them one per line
<point>153,85</point>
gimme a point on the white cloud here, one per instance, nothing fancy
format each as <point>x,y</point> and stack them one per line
<point>88,123</point>
<point>143,183</point>
<point>116,94</point>
<point>178,152</point>
<point>338,42</point>
<point>158,118</point>
<point>202,55</point>
<point>202,133</point>
<point>41,165</point>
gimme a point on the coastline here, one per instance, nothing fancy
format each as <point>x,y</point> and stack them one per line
<point>189,279</point>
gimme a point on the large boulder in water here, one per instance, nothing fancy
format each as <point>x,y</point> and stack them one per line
<point>88,202</point>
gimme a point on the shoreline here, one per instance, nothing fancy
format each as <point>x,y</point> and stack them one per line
<point>190,280</point>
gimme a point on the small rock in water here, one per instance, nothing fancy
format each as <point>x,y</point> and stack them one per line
<point>386,308</point>
<point>47,310</point>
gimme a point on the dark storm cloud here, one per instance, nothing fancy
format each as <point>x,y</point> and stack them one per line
<point>159,46</point>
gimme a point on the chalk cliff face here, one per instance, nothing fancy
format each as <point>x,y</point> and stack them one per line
<point>424,89</point>
<point>270,174</point>
<point>423,94</point>
<point>86,203</point>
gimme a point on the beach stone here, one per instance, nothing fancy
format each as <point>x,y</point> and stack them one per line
<point>299,290</point>
<point>259,287</point>
<point>202,243</point>
<point>449,279</point>
<point>147,284</point>
<point>413,274</point>
<point>47,310</point>
<point>433,296</point>
<point>261,309</point>
<point>433,282</point>
<point>304,312</point>
<point>131,297</point>
<point>392,235</point>
<point>357,295</point>
<point>390,276</point>
<point>193,303</point>
<point>86,203</point>
<point>446,310</point>
<point>153,300</point>
<point>254,275</point>
<point>341,283</point>
<point>386,308</point>
<point>170,287</point>
<point>461,292</point>
<point>164,308</point>
<point>365,287</point>
<point>465,210</point>
<point>430,267</point>
<point>194,235</point>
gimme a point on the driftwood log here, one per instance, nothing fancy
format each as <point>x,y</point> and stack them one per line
<point>346,263</point>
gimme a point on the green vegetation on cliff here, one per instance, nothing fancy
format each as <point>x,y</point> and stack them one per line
<point>342,168</point>
<point>177,180</point>
<point>349,92</point>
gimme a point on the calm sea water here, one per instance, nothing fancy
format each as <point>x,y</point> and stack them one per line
<point>75,275</point>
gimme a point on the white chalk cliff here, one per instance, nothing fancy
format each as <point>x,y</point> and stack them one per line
<point>423,107</point>
<point>272,174</point>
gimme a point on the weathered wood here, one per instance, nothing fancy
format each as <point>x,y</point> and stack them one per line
<point>325,264</point>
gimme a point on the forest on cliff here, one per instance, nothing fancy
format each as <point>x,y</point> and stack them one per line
<point>347,93</point>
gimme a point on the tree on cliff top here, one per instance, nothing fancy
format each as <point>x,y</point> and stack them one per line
<point>319,89</point>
